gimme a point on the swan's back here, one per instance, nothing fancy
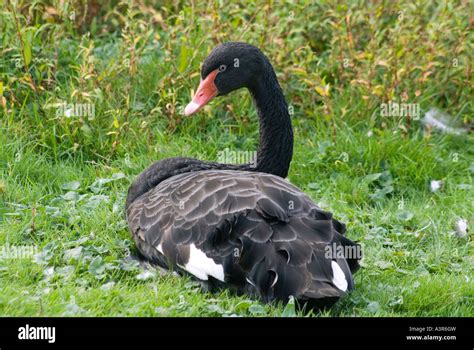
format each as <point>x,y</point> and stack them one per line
<point>250,231</point>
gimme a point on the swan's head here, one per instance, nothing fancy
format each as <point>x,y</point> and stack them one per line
<point>230,66</point>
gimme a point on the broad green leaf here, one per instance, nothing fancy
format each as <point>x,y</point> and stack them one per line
<point>71,186</point>
<point>372,177</point>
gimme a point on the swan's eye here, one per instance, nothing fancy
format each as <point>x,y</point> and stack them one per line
<point>222,68</point>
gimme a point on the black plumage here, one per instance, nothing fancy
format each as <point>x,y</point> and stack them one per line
<point>242,226</point>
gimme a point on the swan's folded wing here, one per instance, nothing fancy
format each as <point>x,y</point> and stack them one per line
<point>191,205</point>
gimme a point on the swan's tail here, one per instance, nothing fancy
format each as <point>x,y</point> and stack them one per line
<point>300,256</point>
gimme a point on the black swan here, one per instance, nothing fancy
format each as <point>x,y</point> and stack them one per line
<point>244,226</point>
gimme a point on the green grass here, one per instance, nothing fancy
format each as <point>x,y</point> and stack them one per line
<point>58,193</point>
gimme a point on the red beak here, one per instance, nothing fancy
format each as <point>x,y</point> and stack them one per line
<point>206,91</point>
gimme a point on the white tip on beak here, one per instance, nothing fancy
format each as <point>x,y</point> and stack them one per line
<point>191,108</point>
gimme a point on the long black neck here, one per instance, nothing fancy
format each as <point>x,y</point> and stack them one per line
<point>274,152</point>
<point>276,134</point>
